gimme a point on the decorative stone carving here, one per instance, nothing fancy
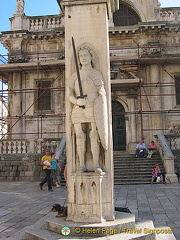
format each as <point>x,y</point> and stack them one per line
<point>19,59</point>
<point>152,52</point>
<point>88,209</point>
<point>89,114</point>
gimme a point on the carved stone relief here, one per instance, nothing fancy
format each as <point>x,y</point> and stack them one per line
<point>89,114</point>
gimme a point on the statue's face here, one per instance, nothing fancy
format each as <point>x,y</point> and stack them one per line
<point>84,57</point>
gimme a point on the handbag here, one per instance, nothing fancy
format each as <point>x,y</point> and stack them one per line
<point>158,179</point>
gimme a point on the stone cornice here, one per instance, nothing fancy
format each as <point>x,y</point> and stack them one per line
<point>43,34</point>
<point>145,26</point>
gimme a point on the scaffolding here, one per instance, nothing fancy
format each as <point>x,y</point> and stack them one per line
<point>143,57</point>
<point>5,93</point>
<point>147,55</point>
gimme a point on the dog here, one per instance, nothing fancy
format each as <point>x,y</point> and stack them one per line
<point>62,211</point>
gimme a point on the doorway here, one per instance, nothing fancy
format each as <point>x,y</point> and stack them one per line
<point>118,126</point>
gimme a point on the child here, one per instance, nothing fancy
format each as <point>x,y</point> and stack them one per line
<point>54,170</point>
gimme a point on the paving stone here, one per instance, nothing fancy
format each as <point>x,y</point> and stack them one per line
<point>160,217</point>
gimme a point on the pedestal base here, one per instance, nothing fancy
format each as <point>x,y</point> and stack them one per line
<point>126,221</point>
<point>89,202</point>
<point>171,178</point>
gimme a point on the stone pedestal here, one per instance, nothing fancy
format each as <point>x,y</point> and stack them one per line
<point>19,22</point>
<point>88,204</point>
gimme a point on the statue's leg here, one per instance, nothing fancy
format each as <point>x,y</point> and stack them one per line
<point>95,147</point>
<point>80,145</point>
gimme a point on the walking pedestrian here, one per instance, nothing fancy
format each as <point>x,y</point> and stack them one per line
<point>54,170</point>
<point>46,162</point>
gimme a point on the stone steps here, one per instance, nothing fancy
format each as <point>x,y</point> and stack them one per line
<point>124,227</point>
<point>50,230</point>
<point>131,170</point>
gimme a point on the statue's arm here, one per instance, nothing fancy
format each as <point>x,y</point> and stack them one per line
<point>71,93</point>
<point>74,100</point>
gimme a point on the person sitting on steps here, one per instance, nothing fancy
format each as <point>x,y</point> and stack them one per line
<point>152,149</point>
<point>156,174</point>
<point>141,149</point>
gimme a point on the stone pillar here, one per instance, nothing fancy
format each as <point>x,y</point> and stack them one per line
<point>132,120</point>
<point>156,118</point>
<point>90,192</point>
<point>16,111</point>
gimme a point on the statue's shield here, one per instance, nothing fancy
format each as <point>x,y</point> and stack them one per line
<point>101,117</point>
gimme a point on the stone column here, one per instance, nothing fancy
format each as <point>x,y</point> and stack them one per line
<point>90,192</point>
<point>156,118</point>
<point>132,96</point>
<point>16,110</point>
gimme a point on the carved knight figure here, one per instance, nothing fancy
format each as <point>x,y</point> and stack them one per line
<point>20,6</point>
<point>89,114</point>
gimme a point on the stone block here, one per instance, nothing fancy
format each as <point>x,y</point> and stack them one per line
<point>13,174</point>
<point>28,174</point>
<point>22,174</point>
<point>22,168</point>
<point>15,163</point>
<point>36,174</point>
<point>7,168</point>
<point>30,168</point>
<point>30,163</point>
<point>6,174</point>
<point>14,168</point>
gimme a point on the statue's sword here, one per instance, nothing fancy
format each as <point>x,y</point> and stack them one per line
<point>78,73</point>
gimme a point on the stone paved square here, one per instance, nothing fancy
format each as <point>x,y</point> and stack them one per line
<point>23,203</point>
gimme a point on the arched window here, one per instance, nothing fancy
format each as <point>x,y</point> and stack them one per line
<point>125,16</point>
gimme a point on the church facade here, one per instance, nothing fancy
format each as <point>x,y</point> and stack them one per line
<point>144,43</point>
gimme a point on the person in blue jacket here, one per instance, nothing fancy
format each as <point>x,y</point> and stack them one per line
<point>54,170</point>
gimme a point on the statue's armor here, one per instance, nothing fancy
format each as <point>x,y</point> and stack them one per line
<point>91,80</point>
